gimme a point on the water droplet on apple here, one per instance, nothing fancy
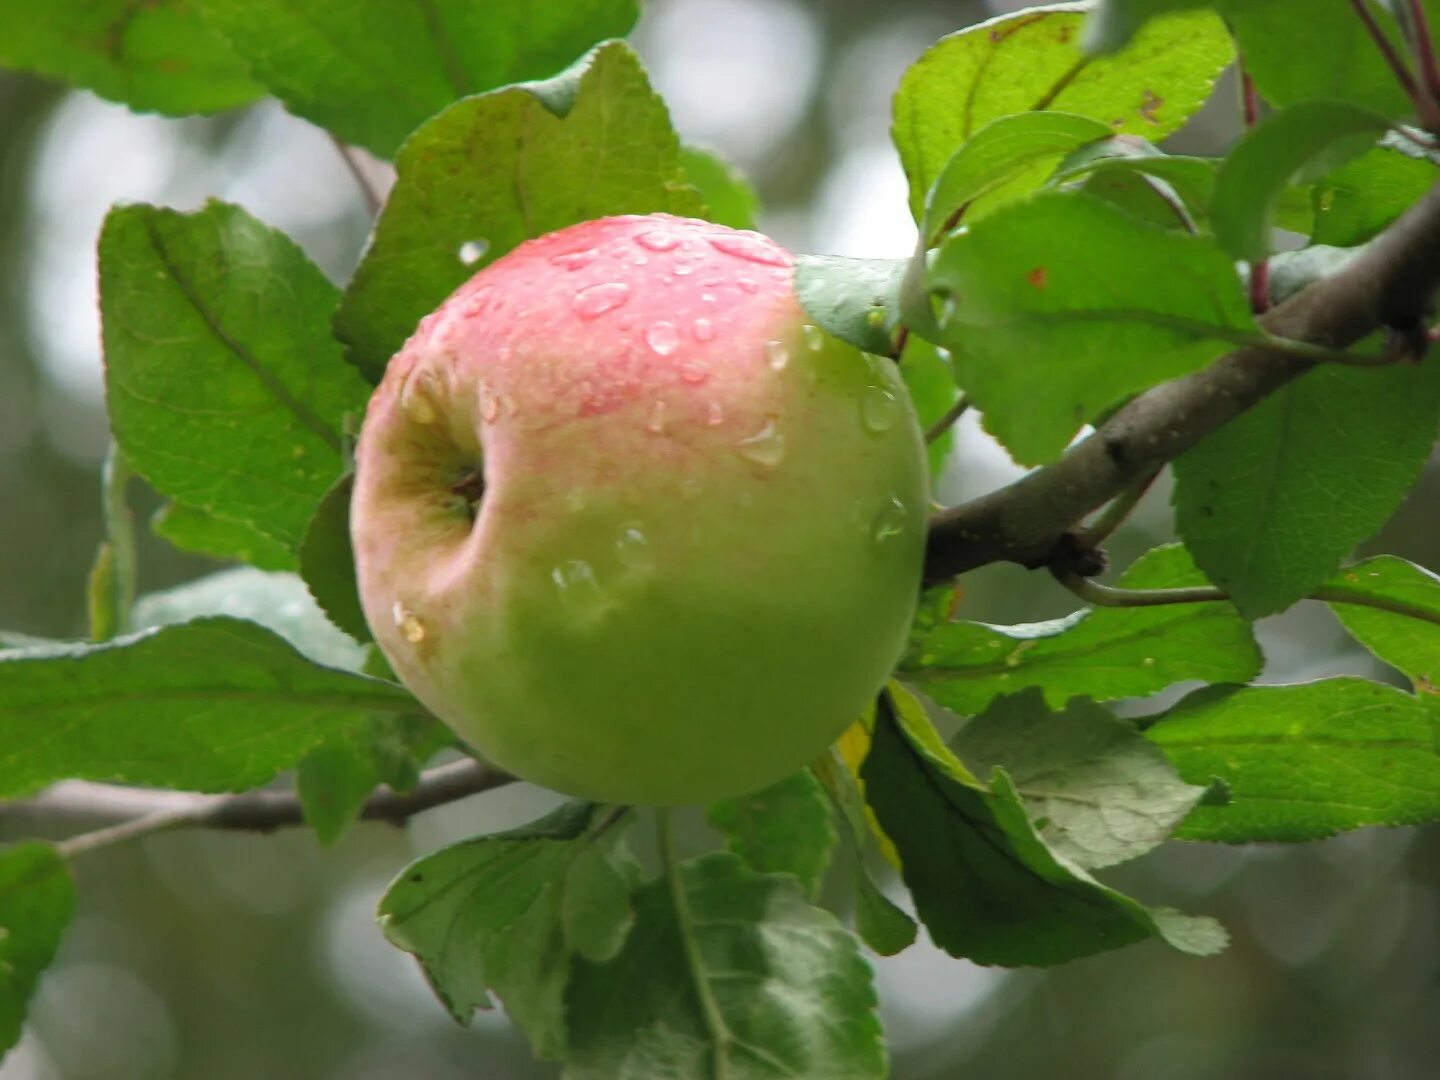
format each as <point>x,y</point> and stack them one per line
<point>418,396</point>
<point>890,521</point>
<point>716,416</point>
<point>596,300</point>
<point>632,549</point>
<point>476,303</point>
<point>489,405</point>
<point>766,447</point>
<point>748,285</point>
<point>708,298</point>
<point>690,487</point>
<point>878,409</point>
<point>684,269</point>
<point>576,581</point>
<point>776,355</point>
<point>656,423</point>
<point>574,501</point>
<point>694,374</point>
<point>704,330</point>
<point>574,260</point>
<point>814,337</point>
<point>749,246</point>
<point>663,338</point>
<point>640,260</point>
<point>408,623</point>
<point>658,240</point>
<point>472,251</point>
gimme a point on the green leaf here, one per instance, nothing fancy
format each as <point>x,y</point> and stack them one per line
<point>1190,180</point>
<point>333,781</point>
<point>1361,198</point>
<point>791,992</point>
<point>372,71</point>
<point>1406,636</point>
<point>327,561</point>
<point>1272,502</point>
<point>277,601</point>
<point>217,704</point>
<point>878,921</point>
<point>1304,762</point>
<point>500,168</point>
<point>1297,144</point>
<point>930,379</point>
<point>1057,307</point>
<point>153,55</point>
<point>856,300</point>
<point>489,915</point>
<point>1006,158</point>
<point>37,902</point>
<point>1115,22</point>
<point>729,197</point>
<point>189,529</point>
<point>985,884</point>
<point>1097,792</point>
<point>784,828</point>
<point>1104,653</point>
<point>225,388</point>
<point>1032,60</point>
<point>1298,50</point>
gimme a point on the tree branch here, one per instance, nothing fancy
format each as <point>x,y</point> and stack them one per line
<point>130,812</point>
<point>1390,284</point>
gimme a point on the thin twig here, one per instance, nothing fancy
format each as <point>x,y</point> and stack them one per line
<point>1093,592</point>
<point>946,422</point>
<point>1424,46</point>
<point>1115,514</point>
<point>374,197</point>
<point>135,812</point>
<point>1426,107</point>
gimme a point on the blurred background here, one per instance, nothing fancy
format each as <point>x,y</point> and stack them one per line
<point>225,956</point>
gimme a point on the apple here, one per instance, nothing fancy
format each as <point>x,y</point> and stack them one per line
<point>629,524</point>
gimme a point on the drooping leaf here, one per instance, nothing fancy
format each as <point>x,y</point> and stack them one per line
<point>37,901</point>
<point>1032,60</point>
<point>372,71</point>
<point>499,168</point>
<point>856,300</point>
<point>333,781</point>
<point>277,601</point>
<point>1359,199</point>
<point>152,55</point>
<point>766,959</point>
<point>729,197</point>
<point>1105,653</point>
<point>1304,762</point>
<point>1406,636</point>
<point>1272,502</point>
<point>985,884</point>
<point>1060,306</point>
<point>327,562</point>
<point>1097,792</point>
<point>217,704</point>
<point>1294,145</point>
<point>226,390</point>
<point>200,533</point>
<point>784,828</point>
<point>490,915</point>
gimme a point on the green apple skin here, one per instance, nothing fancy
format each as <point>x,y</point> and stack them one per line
<point>698,548</point>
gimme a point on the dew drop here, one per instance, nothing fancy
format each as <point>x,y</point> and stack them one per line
<point>878,409</point>
<point>408,623</point>
<point>472,251</point>
<point>704,330</point>
<point>776,355</point>
<point>574,260</point>
<point>890,521</point>
<point>489,405</point>
<point>716,415</point>
<point>576,581</point>
<point>766,447</point>
<point>476,303</point>
<point>684,269</point>
<point>814,337</point>
<point>748,285</point>
<point>690,487</point>
<point>632,549</point>
<point>656,423</point>
<point>640,260</point>
<point>658,240</point>
<point>596,300</point>
<point>694,374</point>
<point>574,501</point>
<point>663,338</point>
<point>708,298</point>
<point>749,246</point>
<point>417,396</point>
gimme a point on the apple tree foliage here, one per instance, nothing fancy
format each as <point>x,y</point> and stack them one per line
<point>1067,263</point>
